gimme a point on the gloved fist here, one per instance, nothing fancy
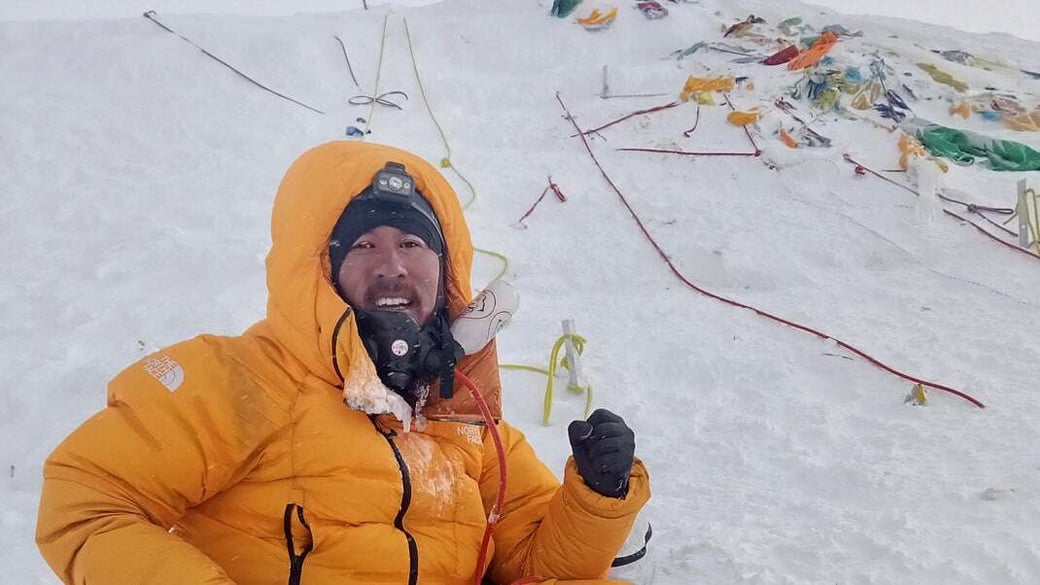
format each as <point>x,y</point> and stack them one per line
<point>604,448</point>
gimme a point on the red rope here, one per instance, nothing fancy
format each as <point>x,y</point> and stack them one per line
<point>689,153</point>
<point>678,274</point>
<point>556,189</point>
<point>552,187</point>
<point>756,153</point>
<point>861,169</point>
<point>696,120</point>
<point>623,118</point>
<point>531,210</point>
<point>496,509</point>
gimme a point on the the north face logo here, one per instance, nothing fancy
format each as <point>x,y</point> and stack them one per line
<point>164,369</point>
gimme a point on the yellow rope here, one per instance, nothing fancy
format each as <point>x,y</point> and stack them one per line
<point>446,161</point>
<point>550,373</point>
<point>524,368</point>
<point>379,71</point>
<point>501,257</point>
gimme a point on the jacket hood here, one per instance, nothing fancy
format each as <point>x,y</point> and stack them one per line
<point>305,313</point>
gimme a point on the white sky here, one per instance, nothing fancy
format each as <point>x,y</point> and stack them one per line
<point>1018,17</point>
<point>137,178</point>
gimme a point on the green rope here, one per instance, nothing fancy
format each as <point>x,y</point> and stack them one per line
<point>501,257</point>
<point>550,373</point>
<point>379,71</point>
<point>446,161</point>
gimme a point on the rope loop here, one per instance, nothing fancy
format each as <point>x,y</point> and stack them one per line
<point>382,99</point>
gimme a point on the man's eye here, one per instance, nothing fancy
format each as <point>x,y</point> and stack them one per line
<point>361,245</point>
<point>411,244</point>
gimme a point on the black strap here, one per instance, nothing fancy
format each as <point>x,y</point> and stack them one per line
<point>629,559</point>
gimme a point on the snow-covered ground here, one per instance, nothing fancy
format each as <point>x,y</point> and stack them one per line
<point>138,177</point>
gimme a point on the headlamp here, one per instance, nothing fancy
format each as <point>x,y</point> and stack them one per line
<point>394,182</point>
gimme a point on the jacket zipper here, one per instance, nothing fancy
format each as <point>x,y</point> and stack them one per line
<point>406,500</point>
<point>335,339</point>
<point>295,560</point>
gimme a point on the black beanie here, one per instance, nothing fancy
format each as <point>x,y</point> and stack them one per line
<point>365,213</point>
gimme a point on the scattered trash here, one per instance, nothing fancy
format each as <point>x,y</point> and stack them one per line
<point>868,95</point>
<point>993,494</point>
<point>962,109</point>
<point>841,31</point>
<point>598,20</point>
<point>743,26</point>
<point>910,148</point>
<point>563,8</point>
<point>943,77</point>
<point>813,54</point>
<point>792,27</point>
<point>355,131</point>
<point>652,9</point>
<point>1006,105</point>
<point>689,50</point>
<point>917,396</point>
<point>738,118</point>
<point>963,147</point>
<point>959,57</point>
<point>803,136</point>
<point>787,139</point>
<point>782,56</point>
<point>894,108</point>
<point>1024,122</point>
<point>700,89</point>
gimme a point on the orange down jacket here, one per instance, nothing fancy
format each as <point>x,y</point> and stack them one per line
<point>226,460</point>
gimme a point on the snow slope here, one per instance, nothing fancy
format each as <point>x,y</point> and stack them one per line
<point>138,178</point>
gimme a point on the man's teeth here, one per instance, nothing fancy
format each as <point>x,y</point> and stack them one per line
<point>392,302</point>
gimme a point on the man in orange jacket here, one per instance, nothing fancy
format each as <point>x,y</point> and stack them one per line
<point>286,454</point>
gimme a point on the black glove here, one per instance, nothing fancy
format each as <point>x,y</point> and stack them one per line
<point>603,448</point>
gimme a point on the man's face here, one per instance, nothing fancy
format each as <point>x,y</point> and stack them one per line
<point>387,269</point>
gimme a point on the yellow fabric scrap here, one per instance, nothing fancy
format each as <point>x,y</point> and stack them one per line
<point>704,98</point>
<point>739,118</point>
<point>598,19</point>
<point>828,99</point>
<point>868,94</point>
<point>786,138</point>
<point>695,85</point>
<point>911,147</point>
<point>962,109</point>
<point>943,77</point>
<point>917,396</point>
<point>1024,122</point>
